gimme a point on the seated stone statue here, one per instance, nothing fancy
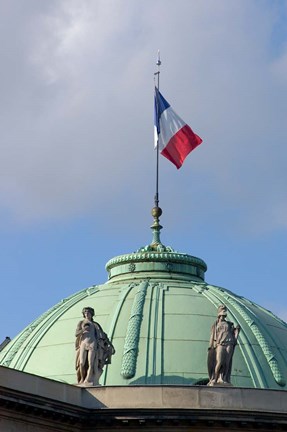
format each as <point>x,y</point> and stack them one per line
<point>93,349</point>
<point>223,339</point>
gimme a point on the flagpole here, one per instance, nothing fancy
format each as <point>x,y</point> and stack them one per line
<point>156,211</point>
<point>156,198</point>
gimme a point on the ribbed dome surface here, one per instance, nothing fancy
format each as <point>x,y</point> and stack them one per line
<point>158,311</point>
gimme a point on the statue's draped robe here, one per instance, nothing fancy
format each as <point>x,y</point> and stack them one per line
<point>105,350</point>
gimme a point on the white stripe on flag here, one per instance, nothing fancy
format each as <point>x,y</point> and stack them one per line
<point>170,123</point>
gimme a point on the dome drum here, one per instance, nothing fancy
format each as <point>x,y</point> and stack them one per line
<point>167,265</point>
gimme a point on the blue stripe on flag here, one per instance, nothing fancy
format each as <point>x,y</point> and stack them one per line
<point>160,105</point>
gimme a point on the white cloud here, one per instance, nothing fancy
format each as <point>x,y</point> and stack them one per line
<point>78,108</point>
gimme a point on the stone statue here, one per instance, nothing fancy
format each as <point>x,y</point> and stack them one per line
<point>93,349</point>
<point>223,339</point>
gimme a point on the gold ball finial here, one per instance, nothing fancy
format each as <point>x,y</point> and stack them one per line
<point>156,212</point>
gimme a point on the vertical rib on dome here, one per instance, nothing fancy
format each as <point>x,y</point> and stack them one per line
<point>133,333</point>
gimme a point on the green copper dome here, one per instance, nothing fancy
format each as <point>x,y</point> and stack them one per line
<point>157,310</point>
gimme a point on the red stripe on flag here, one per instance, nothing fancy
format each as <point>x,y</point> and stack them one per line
<point>180,145</point>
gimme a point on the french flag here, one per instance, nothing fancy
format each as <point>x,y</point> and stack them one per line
<point>172,135</point>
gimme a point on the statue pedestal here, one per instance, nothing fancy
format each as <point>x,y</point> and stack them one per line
<point>219,384</point>
<point>87,384</point>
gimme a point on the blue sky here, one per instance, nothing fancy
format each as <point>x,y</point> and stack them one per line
<point>77,163</point>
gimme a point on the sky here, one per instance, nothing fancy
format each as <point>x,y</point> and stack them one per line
<point>77,165</point>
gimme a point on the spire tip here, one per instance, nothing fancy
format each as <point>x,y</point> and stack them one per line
<point>158,58</point>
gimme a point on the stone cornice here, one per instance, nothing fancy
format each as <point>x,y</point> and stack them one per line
<point>146,407</point>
